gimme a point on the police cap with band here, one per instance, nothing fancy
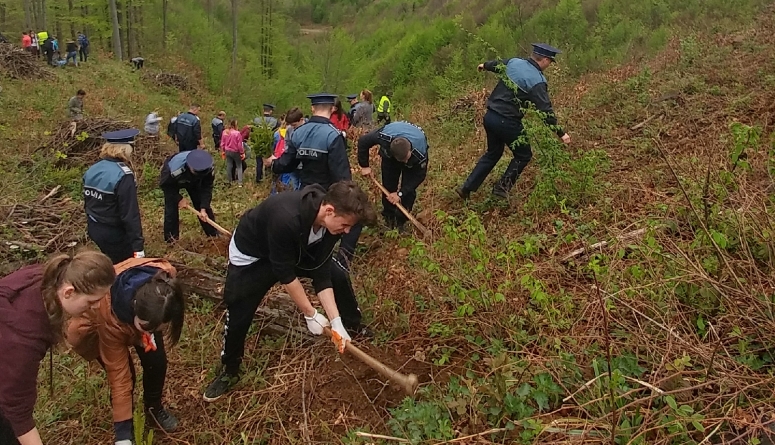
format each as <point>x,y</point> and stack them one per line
<point>322,98</point>
<point>544,50</point>
<point>268,107</point>
<point>352,96</point>
<point>199,161</point>
<point>121,136</point>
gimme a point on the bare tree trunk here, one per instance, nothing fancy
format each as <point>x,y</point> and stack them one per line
<point>233,35</point>
<point>116,30</point>
<point>164,24</point>
<point>3,12</point>
<point>139,28</point>
<point>27,15</point>
<point>71,18</point>
<point>36,16</point>
<point>128,21</point>
<point>43,13</point>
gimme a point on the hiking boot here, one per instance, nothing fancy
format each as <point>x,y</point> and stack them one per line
<point>500,193</point>
<point>220,386</point>
<point>462,193</point>
<point>162,419</point>
<point>360,332</point>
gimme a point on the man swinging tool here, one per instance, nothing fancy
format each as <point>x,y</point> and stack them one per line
<point>404,151</point>
<point>290,235</point>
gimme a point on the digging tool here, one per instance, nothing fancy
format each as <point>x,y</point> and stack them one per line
<point>408,383</point>
<point>210,221</point>
<point>418,224</point>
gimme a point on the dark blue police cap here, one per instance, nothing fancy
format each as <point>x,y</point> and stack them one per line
<point>352,96</point>
<point>542,49</point>
<point>121,136</point>
<point>268,107</point>
<point>199,161</point>
<point>322,98</point>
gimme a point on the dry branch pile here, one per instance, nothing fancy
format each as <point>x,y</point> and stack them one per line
<point>48,225</point>
<point>473,103</point>
<point>19,64</point>
<point>169,80</point>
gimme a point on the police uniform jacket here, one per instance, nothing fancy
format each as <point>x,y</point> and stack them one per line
<point>320,149</point>
<point>110,197</point>
<point>528,85</point>
<point>188,131</point>
<point>383,136</point>
<point>175,175</point>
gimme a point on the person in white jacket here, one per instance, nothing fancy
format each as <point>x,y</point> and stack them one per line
<point>152,125</point>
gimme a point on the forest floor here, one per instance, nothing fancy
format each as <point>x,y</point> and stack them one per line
<point>671,165</point>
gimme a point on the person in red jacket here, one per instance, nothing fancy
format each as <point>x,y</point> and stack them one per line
<point>34,302</point>
<point>339,118</point>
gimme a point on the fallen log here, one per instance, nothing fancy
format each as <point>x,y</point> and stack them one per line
<point>277,314</point>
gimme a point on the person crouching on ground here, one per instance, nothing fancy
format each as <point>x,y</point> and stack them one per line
<point>144,310</point>
<point>34,302</point>
<point>290,235</point>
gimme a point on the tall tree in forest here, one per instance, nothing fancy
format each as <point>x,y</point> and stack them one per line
<point>233,34</point>
<point>164,24</point>
<point>116,30</point>
<point>71,18</point>
<point>128,28</point>
<point>43,14</point>
<point>27,14</point>
<point>138,27</point>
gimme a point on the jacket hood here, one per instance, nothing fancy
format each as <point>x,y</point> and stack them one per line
<point>124,288</point>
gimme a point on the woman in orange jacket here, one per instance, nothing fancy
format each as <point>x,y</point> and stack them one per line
<point>144,306</point>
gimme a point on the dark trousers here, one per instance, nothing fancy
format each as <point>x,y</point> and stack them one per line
<point>83,53</point>
<point>393,172</point>
<point>246,287</point>
<point>111,240</point>
<point>49,56</point>
<point>7,436</point>
<point>172,217</point>
<point>154,365</point>
<point>501,132</point>
<point>259,169</point>
<point>383,117</point>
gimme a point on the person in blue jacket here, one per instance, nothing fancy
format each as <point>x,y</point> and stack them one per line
<point>522,82</point>
<point>110,200</point>
<point>191,170</point>
<point>403,148</point>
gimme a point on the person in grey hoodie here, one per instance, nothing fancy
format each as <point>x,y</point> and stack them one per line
<point>152,123</point>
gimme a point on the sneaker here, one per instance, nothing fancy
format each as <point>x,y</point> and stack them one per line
<point>220,386</point>
<point>361,331</point>
<point>162,419</point>
<point>462,193</point>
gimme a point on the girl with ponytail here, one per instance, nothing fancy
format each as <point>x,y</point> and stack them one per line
<point>144,311</point>
<point>34,304</point>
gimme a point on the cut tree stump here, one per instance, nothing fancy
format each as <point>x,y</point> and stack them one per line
<point>276,315</point>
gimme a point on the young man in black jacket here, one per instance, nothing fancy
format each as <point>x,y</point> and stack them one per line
<point>290,235</point>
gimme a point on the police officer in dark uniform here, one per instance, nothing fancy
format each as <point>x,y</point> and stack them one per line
<point>353,99</point>
<point>188,130</point>
<point>523,81</point>
<point>404,151</point>
<point>110,200</point>
<point>193,171</point>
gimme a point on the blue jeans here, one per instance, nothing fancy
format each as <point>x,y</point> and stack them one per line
<point>72,55</point>
<point>501,132</point>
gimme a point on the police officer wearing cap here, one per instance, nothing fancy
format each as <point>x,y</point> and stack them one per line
<point>267,119</point>
<point>191,170</point>
<point>522,81</point>
<point>404,151</point>
<point>110,199</point>
<point>188,130</point>
<point>353,99</point>
<point>319,147</point>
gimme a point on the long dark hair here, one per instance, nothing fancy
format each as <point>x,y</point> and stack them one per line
<point>338,105</point>
<point>161,301</point>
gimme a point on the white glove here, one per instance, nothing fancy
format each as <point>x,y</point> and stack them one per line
<point>316,323</point>
<point>344,133</point>
<point>140,254</point>
<point>124,442</point>
<point>338,327</point>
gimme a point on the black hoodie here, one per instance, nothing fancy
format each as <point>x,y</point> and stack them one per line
<point>278,229</point>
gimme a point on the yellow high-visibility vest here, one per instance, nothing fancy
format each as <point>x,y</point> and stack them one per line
<point>382,108</point>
